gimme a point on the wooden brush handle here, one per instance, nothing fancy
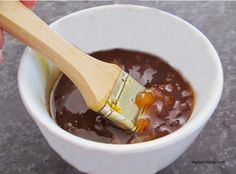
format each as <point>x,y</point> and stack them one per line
<point>94,78</point>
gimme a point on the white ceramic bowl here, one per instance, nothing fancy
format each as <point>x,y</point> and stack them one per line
<point>132,27</point>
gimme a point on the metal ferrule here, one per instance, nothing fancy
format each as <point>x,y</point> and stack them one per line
<point>120,107</point>
<point>117,118</point>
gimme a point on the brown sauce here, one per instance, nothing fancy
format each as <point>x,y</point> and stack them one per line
<point>168,108</point>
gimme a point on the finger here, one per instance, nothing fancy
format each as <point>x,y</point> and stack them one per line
<point>28,4</point>
<point>1,44</point>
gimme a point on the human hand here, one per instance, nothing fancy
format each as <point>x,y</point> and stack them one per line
<point>28,4</point>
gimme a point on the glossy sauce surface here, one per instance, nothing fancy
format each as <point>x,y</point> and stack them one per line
<point>170,103</point>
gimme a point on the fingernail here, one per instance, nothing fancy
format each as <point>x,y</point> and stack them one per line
<point>1,56</point>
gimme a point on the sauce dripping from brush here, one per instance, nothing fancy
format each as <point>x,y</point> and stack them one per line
<point>143,100</point>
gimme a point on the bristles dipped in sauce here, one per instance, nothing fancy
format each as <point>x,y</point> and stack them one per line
<point>164,107</point>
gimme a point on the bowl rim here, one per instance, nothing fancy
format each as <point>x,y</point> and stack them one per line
<point>203,115</point>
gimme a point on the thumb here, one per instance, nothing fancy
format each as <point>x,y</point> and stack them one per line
<point>28,3</point>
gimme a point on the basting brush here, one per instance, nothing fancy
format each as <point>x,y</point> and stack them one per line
<point>106,88</point>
